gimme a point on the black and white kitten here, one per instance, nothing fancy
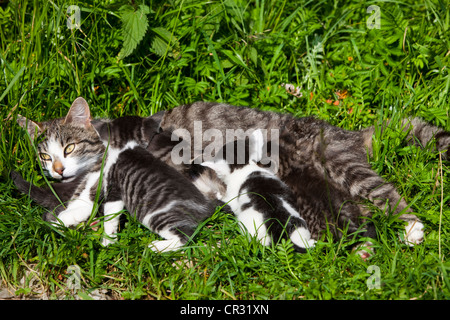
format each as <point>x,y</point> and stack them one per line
<point>160,197</point>
<point>263,204</point>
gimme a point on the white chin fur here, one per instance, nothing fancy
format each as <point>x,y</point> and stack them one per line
<point>54,175</point>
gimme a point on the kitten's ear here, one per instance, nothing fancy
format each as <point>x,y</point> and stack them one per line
<point>220,167</point>
<point>157,117</point>
<point>256,143</point>
<point>79,113</point>
<point>33,128</point>
<point>102,129</point>
<point>150,127</point>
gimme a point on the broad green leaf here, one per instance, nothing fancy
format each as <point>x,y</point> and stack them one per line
<point>134,27</point>
<point>164,42</point>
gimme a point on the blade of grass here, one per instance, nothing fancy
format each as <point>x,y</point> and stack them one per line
<point>13,81</point>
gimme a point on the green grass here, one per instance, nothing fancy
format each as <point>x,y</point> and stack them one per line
<point>238,52</point>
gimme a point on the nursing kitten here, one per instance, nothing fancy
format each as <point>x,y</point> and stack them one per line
<point>260,200</point>
<point>160,197</point>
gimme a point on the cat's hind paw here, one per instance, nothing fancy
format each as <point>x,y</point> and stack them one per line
<point>165,245</point>
<point>413,233</point>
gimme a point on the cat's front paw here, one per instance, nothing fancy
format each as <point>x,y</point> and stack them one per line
<point>414,233</point>
<point>67,218</point>
<point>78,211</point>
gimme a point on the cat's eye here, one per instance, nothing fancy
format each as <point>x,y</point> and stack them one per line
<point>69,149</point>
<point>45,156</point>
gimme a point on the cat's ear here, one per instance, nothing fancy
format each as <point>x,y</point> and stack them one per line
<point>221,167</point>
<point>33,128</point>
<point>256,143</point>
<point>79,113</point>
<point>151,124</point>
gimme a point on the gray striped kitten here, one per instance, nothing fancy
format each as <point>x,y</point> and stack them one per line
<point>160,197</point>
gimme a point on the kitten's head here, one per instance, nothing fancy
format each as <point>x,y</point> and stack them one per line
<point>118,132</point>
<point>70,146</point>
<point>248,152</point>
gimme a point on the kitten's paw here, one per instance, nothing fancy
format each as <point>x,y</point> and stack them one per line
<point>165,245</point>
<point>413,233</point>
<point>107,240</point>
<point>67,218</point>
<point>311,243</point>
<point>265,240</point>
<point>364,250</point>
<point>302,238</point>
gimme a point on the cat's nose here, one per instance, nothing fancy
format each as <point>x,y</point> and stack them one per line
<point>59,168</point>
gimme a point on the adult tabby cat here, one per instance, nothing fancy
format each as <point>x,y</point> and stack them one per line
<point>71,146</point>
<point>326,167</point>
<point>315,153</point>
<point>71,149</point>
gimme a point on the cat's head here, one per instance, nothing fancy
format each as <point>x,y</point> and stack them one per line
<point>70,145</point>
<point>118,132</point>
<point>248,152</point>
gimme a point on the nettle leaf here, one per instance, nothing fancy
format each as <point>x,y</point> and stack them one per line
<point>134,27</point>
<point>164,42</point>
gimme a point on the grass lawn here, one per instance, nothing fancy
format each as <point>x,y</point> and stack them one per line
<point>353,68</point>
